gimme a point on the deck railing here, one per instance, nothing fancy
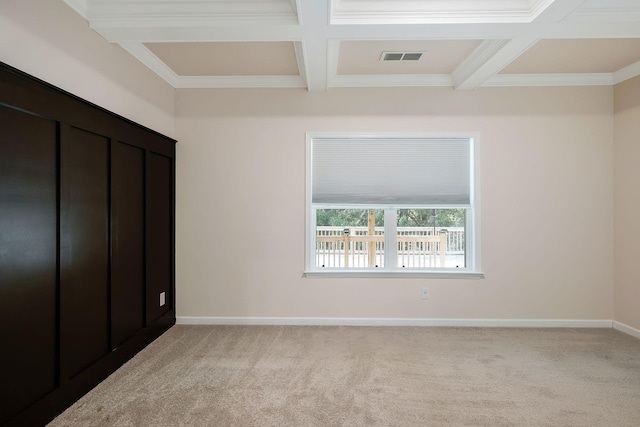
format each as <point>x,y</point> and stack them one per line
<point>417,247</point>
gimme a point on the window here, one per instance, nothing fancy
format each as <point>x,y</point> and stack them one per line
<point>387,204</point>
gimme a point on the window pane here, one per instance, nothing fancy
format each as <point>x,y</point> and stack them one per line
<point>431,238</point>
<point>349,238</point>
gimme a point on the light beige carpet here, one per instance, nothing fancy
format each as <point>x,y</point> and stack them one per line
<point>371,376</point>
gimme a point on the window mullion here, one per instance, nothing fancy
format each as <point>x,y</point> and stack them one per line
<point>311,239</point>
<point>390,238</point>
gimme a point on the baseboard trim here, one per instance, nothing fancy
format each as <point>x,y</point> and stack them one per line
<point>619,326</point>
<point>356,321</point>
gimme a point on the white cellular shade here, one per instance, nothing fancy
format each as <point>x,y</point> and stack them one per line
<point>395,172</point>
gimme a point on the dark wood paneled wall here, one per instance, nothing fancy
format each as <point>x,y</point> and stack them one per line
<point>128,241</point>
<point>159,214</point>
<point>28,259</point>
<point>84,248</point>
<point>86,245</point>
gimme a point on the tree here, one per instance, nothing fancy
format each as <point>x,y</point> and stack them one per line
<point>347,217</point>
<point>406,217</point>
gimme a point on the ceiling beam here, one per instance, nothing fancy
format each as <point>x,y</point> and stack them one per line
<point>314,18</point>
<point>477,59</point>
<point>484,31</point>
<point>165,21</point>
<point>435,11</point>
<point>559,10</point>
<point>179,13</point>
<point>492,56</point>
<point>500,54</point>
<point>241,33</point>
<point>234,33</point>
<point>317,31</point>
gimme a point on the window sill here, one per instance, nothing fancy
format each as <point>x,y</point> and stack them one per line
<point>379,274</point>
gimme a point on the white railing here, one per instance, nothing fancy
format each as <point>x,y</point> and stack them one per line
<point>350,251</point>
<point>417,247</point>
<point>455,235</point>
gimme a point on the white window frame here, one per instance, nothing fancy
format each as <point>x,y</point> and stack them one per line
<point>472,227</point>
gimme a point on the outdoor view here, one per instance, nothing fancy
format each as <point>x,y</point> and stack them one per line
<point>426,238</point>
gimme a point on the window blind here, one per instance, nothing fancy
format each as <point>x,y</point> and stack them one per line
<point>399,172</point>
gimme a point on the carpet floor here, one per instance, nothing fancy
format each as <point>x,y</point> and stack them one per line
<point>371,376</point>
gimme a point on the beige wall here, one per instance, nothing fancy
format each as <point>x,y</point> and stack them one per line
<point>546,190</point>
<point>627,203</point>
<point>47,39</point>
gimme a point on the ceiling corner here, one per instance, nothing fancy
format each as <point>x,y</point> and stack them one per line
<point>80,6</point>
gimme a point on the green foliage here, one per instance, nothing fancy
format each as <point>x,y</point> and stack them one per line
<point>347,217</point>
<point>406,217</point>
<point>431,217</point>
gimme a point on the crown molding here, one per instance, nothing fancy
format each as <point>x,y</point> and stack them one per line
<point>218,33</point>
<point>80,6</point>
<point>558,10</point>
<point>626,73</point>
<point>239,82</point>
<point>500,80</point>
<point>302,68</point>
<point>148,58</point>
<point>513,80</point>
<point>606,14</point>
<point>392,80</point>
<point>421,18</point>
<point>333,57</point>
<point>350,12</point>
<point>539,7</point>
<point>181,13</point>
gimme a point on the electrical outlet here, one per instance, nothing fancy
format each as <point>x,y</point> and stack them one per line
<point>425,293</point>
<point>162,299</point>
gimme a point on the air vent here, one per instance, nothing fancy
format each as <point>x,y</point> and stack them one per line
<point>387,56</point>
<point>401,56</point>
<point>411,56</point>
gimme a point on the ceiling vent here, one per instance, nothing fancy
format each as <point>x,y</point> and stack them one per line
<point>401,56</point>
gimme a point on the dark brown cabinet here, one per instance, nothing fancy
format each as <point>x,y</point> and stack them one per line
<point>86,245</point>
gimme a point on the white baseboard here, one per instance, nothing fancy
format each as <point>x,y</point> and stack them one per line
<point>626,329</point>
<point>357,321</point>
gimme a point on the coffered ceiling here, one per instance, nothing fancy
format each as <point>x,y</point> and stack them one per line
<point>320,44</point>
